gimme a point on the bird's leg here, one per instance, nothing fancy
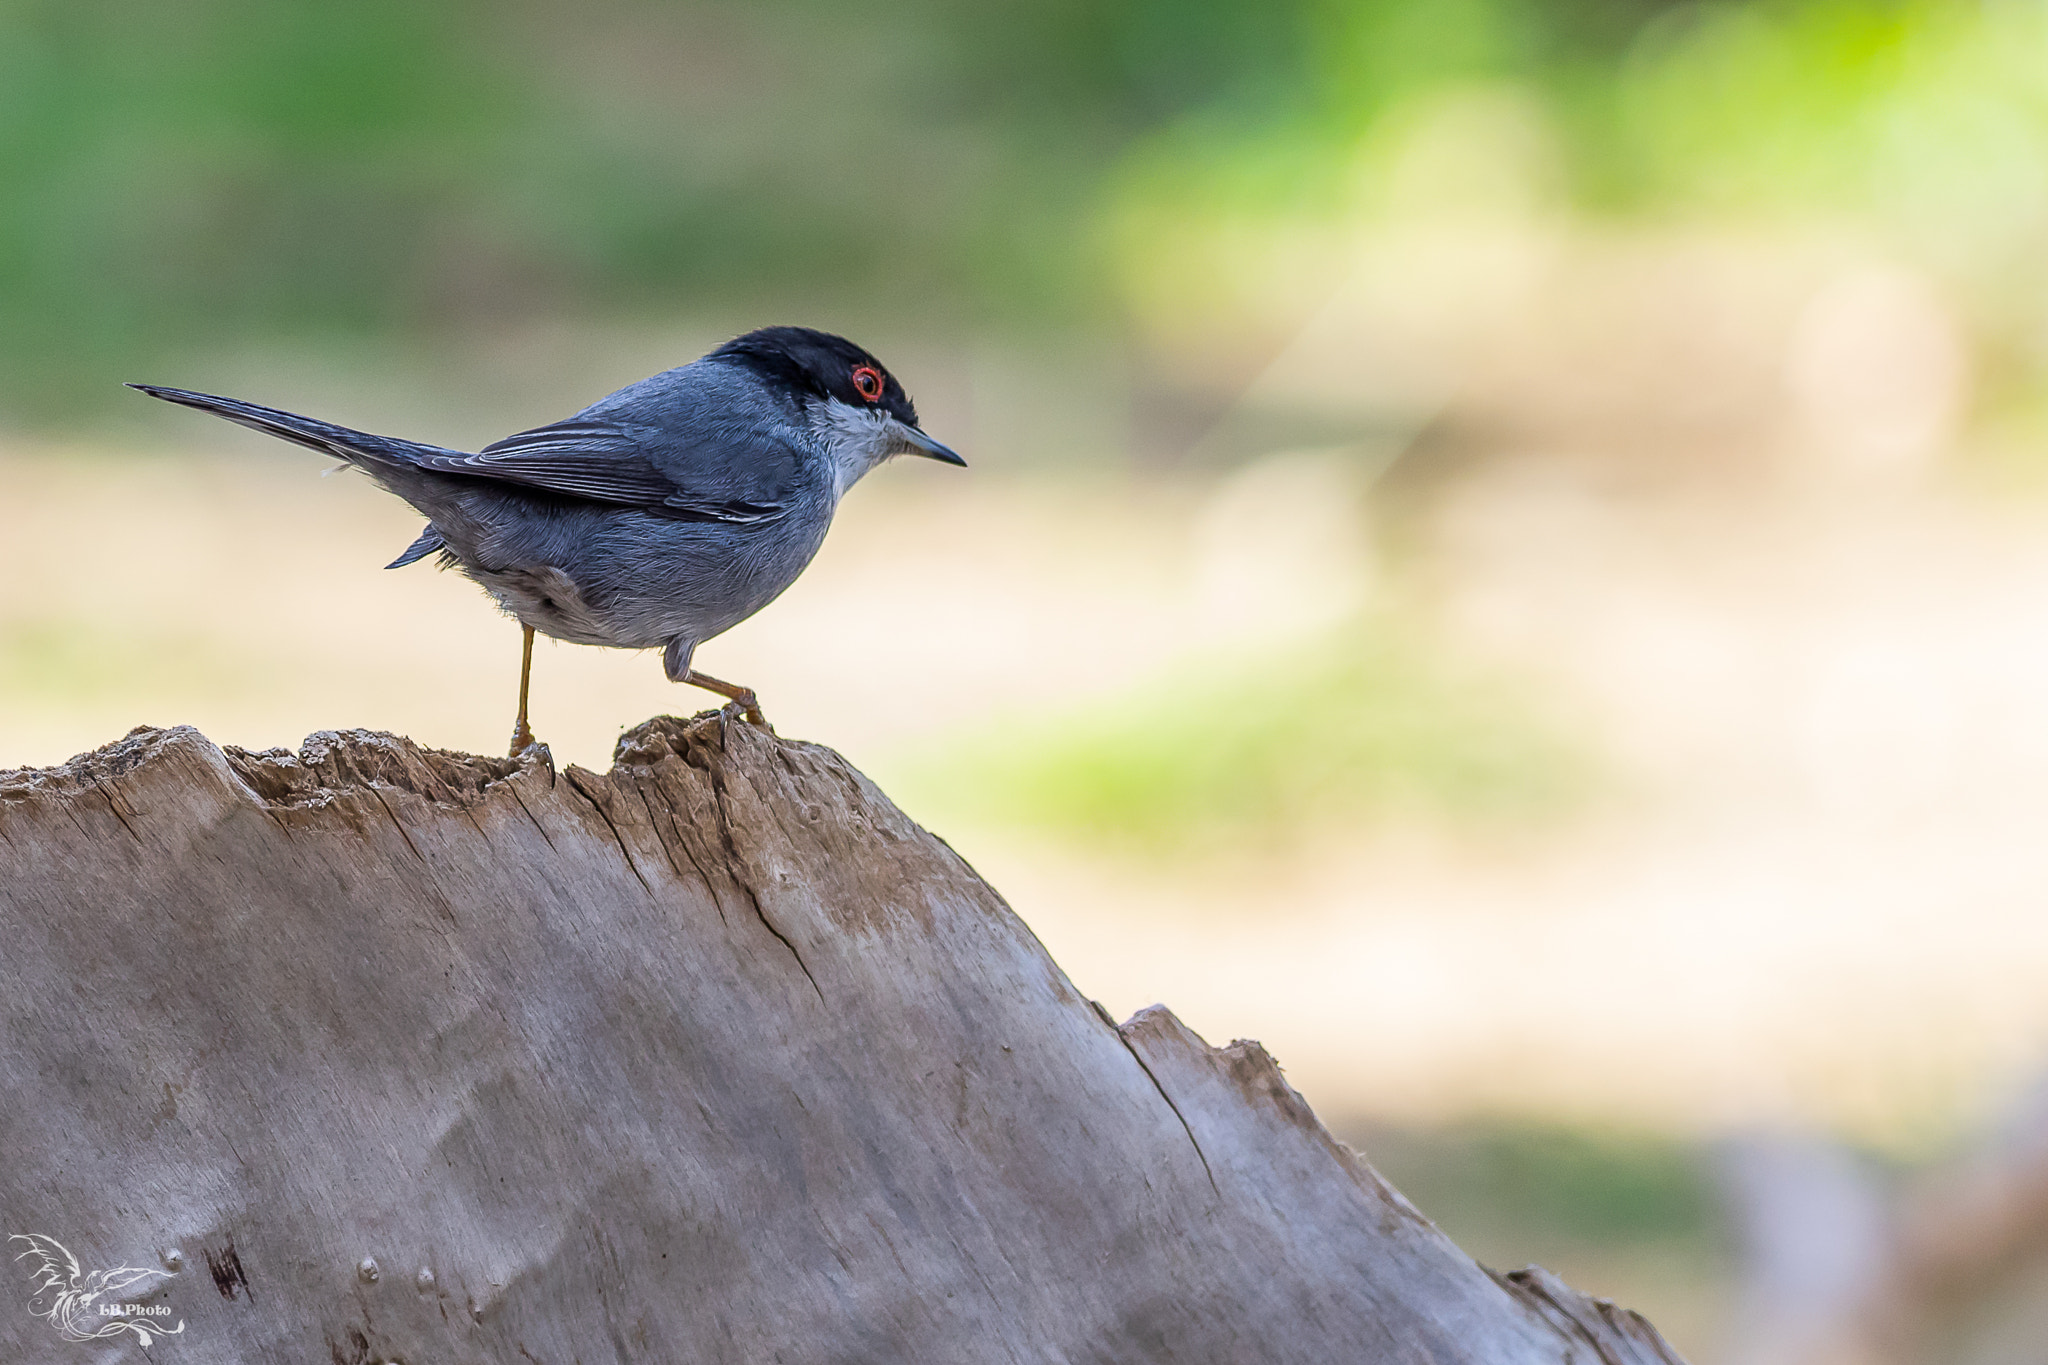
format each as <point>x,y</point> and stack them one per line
<point>743,697</point>
<point>522,733</point>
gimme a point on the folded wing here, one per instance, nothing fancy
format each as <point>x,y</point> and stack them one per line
<point>729,478</point>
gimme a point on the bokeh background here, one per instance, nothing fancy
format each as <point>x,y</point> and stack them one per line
<point>1506,551</point>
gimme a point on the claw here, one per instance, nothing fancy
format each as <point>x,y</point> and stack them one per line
<point>748,706</point>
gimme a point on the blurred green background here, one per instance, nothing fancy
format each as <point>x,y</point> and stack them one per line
<point>219,175</point>
<point>1503,555</point>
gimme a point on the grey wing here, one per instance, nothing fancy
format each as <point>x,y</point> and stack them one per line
<point>612,462</point>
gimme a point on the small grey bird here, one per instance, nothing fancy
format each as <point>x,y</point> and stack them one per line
<point>655,518</point>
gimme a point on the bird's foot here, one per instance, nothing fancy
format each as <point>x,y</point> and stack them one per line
<point>748,705</point>
<point>739,700</point>
<point>522,738</point>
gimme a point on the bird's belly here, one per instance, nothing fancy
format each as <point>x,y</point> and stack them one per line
<point>549,600</point>
<point>644,580</point>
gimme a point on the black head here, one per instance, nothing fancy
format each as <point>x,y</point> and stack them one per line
<point>813,364</point>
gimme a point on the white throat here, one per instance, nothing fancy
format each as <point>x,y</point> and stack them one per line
<point>857,439</point>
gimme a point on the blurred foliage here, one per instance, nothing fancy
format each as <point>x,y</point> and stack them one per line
<point>1373,726</point>
<point>216,173</point>
<point>1635,1217</point>
<point>1923,121</point>
<point>52,665</point>
<point>213,173</point>
<point>1918,127</point>
<point>1522,1190</point>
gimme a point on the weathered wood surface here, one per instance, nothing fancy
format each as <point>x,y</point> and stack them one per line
<point>404,1055</point>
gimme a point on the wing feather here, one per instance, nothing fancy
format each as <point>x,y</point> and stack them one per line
<point>606,462</point>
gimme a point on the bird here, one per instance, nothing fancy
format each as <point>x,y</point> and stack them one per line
<point>657,517</point>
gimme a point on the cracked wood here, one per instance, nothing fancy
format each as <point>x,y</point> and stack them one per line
<point>273,1016</point>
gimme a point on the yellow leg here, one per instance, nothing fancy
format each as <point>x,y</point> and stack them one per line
<point>522,733</point>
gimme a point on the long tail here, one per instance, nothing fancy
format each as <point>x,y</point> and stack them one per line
<point>377,453</point>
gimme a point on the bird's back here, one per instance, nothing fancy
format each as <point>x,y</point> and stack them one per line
<point>713,432</point>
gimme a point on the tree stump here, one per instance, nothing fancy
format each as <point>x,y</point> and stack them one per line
<point>376,1053</point>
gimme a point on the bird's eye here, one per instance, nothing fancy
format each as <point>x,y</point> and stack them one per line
<point>867,381</point>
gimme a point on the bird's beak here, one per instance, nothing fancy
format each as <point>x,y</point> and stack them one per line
<point>915,442</point>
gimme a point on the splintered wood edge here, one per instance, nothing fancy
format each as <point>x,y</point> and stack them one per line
<point>338,767</point>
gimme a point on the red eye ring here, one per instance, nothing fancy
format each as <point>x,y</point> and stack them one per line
<point>867,382</point>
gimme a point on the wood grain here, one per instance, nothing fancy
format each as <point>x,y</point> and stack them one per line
<point>417,1056</point>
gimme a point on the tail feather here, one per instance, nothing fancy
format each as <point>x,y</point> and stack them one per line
<point>357,447</point>
<point>430,540</point>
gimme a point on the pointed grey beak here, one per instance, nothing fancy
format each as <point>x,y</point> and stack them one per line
<point>917,443</point>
